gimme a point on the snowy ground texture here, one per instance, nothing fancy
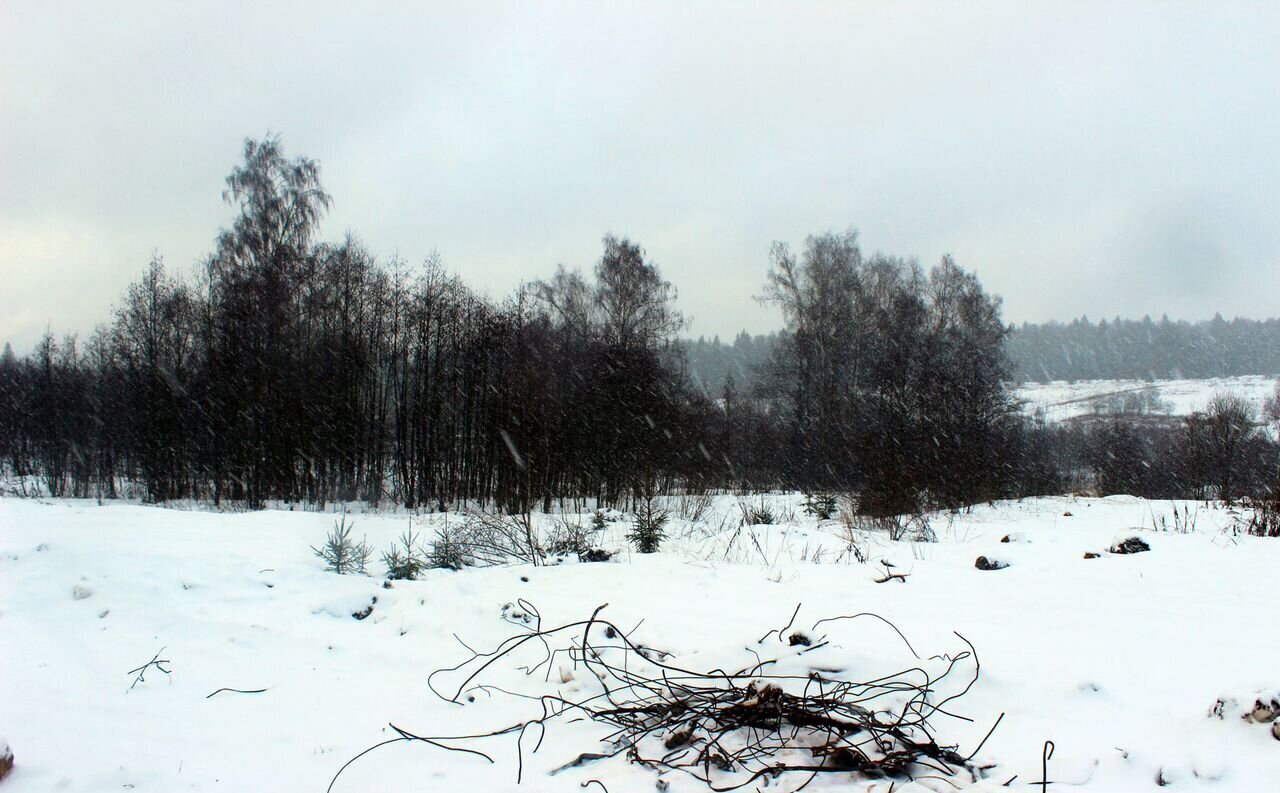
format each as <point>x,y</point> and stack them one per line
<point>1120,661</point>
<point>1062,400</point>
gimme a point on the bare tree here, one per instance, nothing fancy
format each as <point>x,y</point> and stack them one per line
<point>1216,440</point>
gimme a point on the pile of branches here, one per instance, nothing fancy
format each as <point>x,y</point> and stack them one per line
<point>791,714</point>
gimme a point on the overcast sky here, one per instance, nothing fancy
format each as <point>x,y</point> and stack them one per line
<point>1104,159</point>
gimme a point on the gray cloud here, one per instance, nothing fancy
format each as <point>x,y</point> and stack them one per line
<point>1095,158</point>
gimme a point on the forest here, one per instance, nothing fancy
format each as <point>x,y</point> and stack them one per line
<point>1119,349</point>
<point>1145,350</point>
<point>291,369</point>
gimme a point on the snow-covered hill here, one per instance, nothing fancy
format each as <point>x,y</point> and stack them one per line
<point>1118,660</point>
<point>1063,400</point>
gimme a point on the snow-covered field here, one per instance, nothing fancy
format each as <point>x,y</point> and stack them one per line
<point>1117,660</point>
<point>1062,400</point>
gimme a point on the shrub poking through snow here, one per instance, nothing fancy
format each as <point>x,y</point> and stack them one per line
<point>919,529</point>
<point>694,507</point>
<point>406,561</point>
<point>492,539</point>
<point>647,534</point>
<point>1130,545</point>
<point>1180,521</point>
<point>758,514</point>
<point>1263,514</point>
<point>484,540</point>
<point>853,533</point>
<point>342,554</point>
<point>913,528</point>
<point>487,540</point>
<point>567,539</point>
<point>448,551</point>
<point>821,505</point>
<point>988,563</point>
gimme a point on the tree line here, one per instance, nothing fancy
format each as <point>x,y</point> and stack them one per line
<point>1225,450</point>
<point>1145,350</point>
<point>296,370</point>
<point>713,364</point>
<point>1117,349</point>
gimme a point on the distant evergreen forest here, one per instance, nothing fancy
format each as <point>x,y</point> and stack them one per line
<point>1077,350</point>
<point>1143,349</point>
<point>714,363</point>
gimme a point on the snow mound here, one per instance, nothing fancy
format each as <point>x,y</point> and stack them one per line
<point>347,606</point>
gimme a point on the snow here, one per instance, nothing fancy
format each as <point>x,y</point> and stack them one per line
<point>1062,400</point>
<point>1118,660</point>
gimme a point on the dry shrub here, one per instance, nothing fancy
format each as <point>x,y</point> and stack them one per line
<point>484,540</point>
<point>567,538</point>
<point>915,527</point>
<point>693,507</point>
<point>1263,514</point>
<point>759,513</point>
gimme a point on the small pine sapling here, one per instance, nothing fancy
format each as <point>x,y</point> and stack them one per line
<point>820,505</point>
<point>449,551</point>
<point>648,533</point>
<point>406,561</point>
<point>760,514</point>
<point>341,554</point>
